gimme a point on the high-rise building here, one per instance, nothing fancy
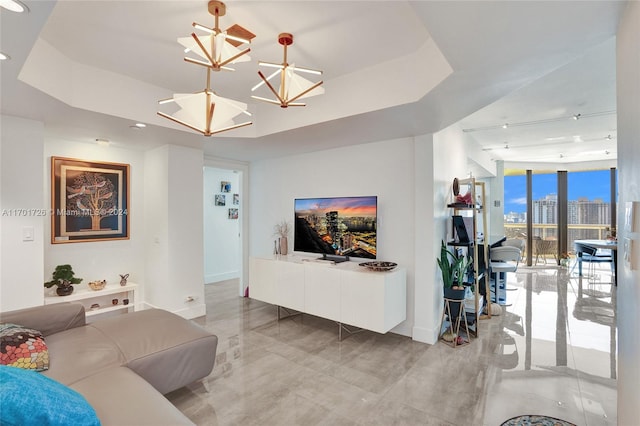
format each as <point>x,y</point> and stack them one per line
<point>546,210</point>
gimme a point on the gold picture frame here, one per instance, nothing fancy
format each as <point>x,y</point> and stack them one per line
<point>89,200</point>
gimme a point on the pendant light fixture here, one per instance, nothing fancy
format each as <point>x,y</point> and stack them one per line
<point>292,86</point>
<point>218,48</point>
<point>206,112</point>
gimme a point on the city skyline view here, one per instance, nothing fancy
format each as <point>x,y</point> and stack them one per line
<point>592,185</point>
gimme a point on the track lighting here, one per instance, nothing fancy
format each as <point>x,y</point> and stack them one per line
<point>544,121</point>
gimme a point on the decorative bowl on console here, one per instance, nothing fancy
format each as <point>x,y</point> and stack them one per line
<point>97,285</point>
<point>379,266</point>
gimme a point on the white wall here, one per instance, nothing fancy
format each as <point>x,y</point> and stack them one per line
<point>222,260</point>
<point>412,179</point>
<point>384,169</point>
<point>173,229</point>
<point>449,161</point>
<point>164,253</point>
<point>99,260</point>
<point>628,111</point>
<point>496,213</point>
<point>425,299</point>
<point>156,225</point>
<point>22,204</point>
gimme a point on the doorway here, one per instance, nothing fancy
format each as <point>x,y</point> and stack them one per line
<point>225,218</point>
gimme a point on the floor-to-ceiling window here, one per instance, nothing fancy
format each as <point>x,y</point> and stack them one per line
<point>588,206</point>
<point>544,214</point>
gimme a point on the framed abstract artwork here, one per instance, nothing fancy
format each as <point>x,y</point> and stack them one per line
<point>89,201</point>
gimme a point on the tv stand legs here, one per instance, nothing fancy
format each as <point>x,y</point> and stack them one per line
<point>348,329</point>
<point>288,313</point>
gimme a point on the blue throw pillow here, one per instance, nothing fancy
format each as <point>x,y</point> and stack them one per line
<point>29,398</point>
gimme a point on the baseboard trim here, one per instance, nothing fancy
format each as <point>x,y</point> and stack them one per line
<point>424,335</point>
<point>214,278</point>
<point>192,312</point>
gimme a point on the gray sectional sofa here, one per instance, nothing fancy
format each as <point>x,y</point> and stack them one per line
<point>122,365</point>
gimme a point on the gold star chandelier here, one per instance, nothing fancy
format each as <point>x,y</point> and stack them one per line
<point>292,86</point>
<point>206,112</point>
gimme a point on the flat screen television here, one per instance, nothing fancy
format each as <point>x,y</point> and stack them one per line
<point>336,227</point>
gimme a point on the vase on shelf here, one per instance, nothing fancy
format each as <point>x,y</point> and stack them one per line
<point>284,246</point>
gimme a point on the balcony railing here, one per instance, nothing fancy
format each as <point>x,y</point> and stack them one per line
<point>549,231</point>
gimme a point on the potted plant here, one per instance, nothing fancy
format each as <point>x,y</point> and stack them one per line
<point>63,277</point>
<point>453,268</point>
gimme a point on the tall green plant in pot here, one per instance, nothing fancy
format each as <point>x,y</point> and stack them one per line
<point>453,268</point>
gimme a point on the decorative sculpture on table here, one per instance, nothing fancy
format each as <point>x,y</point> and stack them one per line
<point>460,199</point>
<point>123,279</point>
<point>281,230</point>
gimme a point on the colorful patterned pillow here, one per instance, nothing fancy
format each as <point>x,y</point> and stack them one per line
<point>23,347</point>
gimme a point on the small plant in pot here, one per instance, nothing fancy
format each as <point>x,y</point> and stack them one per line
<point>63,278</point>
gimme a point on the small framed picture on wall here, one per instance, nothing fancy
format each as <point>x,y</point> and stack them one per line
<point>236,199</point>
<point>233,213</point>
<point>225,186</point>
<point>220,200</point>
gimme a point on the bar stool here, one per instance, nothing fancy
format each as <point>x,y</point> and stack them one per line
<point>503,259</point>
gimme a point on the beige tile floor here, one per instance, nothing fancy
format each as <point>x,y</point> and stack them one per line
<point>551,352</point>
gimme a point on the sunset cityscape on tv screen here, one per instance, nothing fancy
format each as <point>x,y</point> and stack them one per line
<point>342,226</point>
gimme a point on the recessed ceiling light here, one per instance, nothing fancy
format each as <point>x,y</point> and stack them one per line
<point>138,126</point>
<point>14,6</point>
<point>505,125</point>
<point>577,116</point>
<point>4,57</point>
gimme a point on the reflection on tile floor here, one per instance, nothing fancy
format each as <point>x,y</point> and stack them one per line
<point>552,351</point>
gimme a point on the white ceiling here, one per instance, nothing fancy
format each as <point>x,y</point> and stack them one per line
<point>392,69</point>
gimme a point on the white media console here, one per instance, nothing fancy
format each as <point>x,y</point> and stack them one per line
<point>344,292</point>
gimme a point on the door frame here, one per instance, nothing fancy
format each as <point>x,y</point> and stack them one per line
<point>243,169</point>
